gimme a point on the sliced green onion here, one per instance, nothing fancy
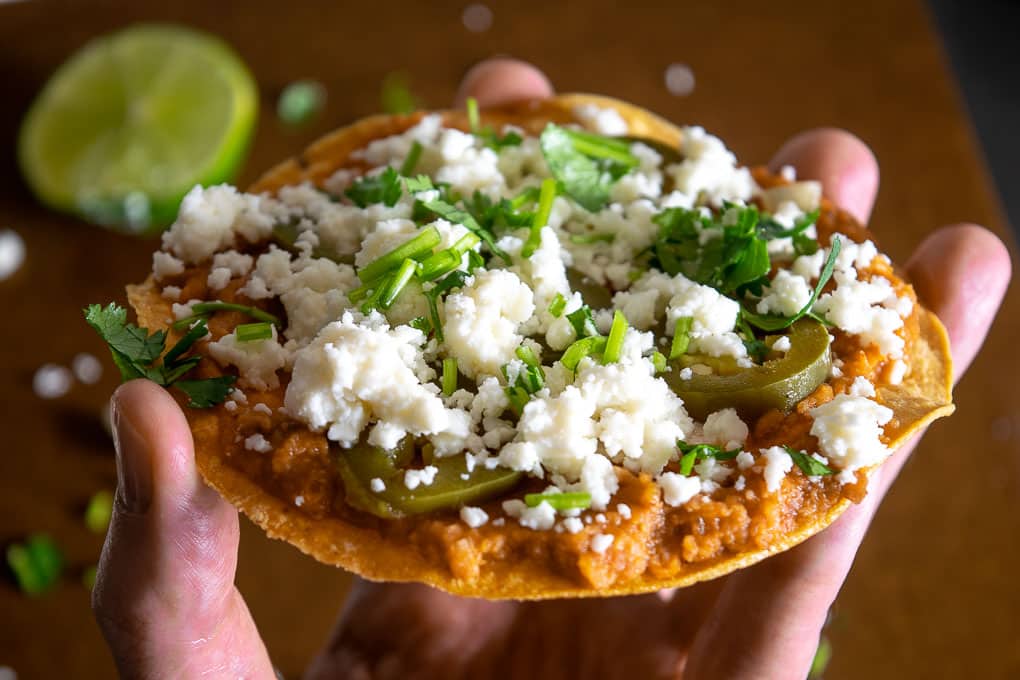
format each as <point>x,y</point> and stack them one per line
<point>36,564</point>
<point>209,307</point>
<point>439,263</point>
<point>421,244</point>
<point>475,260</point>
<point>614,344</point>
<point>518,398</point>
<point>98,511</point>
<point>583,322</point>
<point>434,321</point>
<point>588,239</point>
<point>466,243</point>
<point>449,376</point>
<point>681,336</point>
<point>687,462</point>
<point>472,114</point>
<point>527,355</point>
<point>570,500</point>
<point>249,332</point>
<point>557,305</point>
<point>597,146</point>
<point>659,361</point>
<point>582,348</point>
<point>372,301</point>
<point>397,284</point>
<point>545,202</point>
<point>411,162</point>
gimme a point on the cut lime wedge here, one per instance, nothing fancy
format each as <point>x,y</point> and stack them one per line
<point>134,120</point>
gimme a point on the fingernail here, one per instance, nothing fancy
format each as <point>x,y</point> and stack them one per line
<point>134,466</point>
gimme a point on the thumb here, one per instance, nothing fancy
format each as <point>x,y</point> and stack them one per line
<point>165,596</point>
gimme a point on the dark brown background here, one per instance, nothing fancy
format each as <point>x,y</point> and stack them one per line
<point>934,590</point>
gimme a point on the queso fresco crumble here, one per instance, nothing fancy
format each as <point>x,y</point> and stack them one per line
<point>503,326</point>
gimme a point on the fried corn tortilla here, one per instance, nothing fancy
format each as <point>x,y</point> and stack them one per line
<point>658,547</point>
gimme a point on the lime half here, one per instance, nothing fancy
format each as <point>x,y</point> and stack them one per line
<point>134,120</point>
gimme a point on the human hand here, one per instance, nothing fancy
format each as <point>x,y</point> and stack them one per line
<point>166,602</point>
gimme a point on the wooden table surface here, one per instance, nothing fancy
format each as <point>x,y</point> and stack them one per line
<point>934,592</point>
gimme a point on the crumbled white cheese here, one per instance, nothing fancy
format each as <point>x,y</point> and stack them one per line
<point>218,278</point>
<point>165,265</point>
<point>257,361</point>
<point>849,428</point>
<point>777,464</point>
<point>572,525</point>
<point>473,517</point>
<point>857,307</point>
<point>604,121</point>
<point>726,428</point>
<point>210,219</point>
<point>482,320</point>
<point>171,293</point>
<point>262,408</point>
<point>624,510</point>
<point>785,295</point>
<point>782,344</point>
<point>709,168</point>
<point>258,443</point>
<point>600,543</point>
<point>542,517</point>
<point>677,489</point>
<point>745,459</point>
<point>359,369</point>
<point>424,477</point>
<point>377,485</point>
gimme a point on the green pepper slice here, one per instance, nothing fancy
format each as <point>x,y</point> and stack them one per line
<point>362,463</point>
<point>776,384</point>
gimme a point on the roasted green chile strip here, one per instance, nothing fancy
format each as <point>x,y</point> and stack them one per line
<point>776,384</point>
<point>363,463</point>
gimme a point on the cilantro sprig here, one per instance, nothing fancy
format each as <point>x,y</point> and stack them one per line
<point>382,188</point>
<point>585,165</point>
<point>136,353</point>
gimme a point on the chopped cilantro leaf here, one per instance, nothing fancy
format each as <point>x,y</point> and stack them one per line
<point>768,322</point>
<point>382,188</point>
<point>419,183</point>
<point>585,165</point>
<point>808,464</point>
<point>136,352</point>
<point>689,453</point>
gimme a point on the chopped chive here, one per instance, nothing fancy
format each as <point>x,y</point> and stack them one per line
<point>249,332</point>
<point>588,239</point>
<point>411,162</point>
<point>36,564</point>
<point>527,355</point>
<point>659,361</point>
<point>580,349</point>
<point>570,500</point>
<point>449,376</point>
<point>545,202</point>
<point>438,263</point>
<point>472,114</point>
<point>397,284</point>
<point>203,308</point>
<point>98,511</point>
<point>419,183</point>
<point>420,244</point>
<point>681,336</point>
<point>557,305</point>
<point>614,344</point>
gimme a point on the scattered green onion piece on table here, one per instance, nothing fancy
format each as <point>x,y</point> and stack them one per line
<point>568,500</point>
<point>580,349</point>
<point>558,304</point>
<point>300,101</point>
<point>659,361</point>
<point>419,245</point>
<point>411,161</point>
<point>98,511</point>
<point>36,564</point>
<point>614,343</point>
<point>547,195</point>
<point>681,336</point>
<point>250,332</point>
<point>449,376</point>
